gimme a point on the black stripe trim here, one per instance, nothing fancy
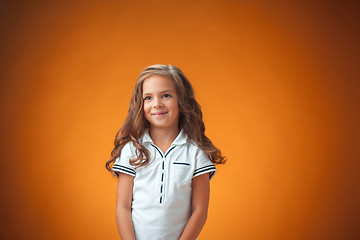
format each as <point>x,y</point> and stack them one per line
<point>204,167</point>
<point>182,163</point>
<point>162,177</point>
<point>158,150</point>
<point>160,199</point>
<point>204,170</point>
<point>170,150</point>
<point>122,166</point>
<point>163,165</point>
<point>123,170</point>
<point>161,188</point>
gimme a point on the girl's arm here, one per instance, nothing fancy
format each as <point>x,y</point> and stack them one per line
<point>123,207</point>
<point>200,203</point>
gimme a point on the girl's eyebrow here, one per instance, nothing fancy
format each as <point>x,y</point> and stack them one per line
<point>168,90</point>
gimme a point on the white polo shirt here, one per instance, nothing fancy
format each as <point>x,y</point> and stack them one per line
<point>161,204</point>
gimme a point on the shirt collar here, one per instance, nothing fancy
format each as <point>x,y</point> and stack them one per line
<point>179,140</point>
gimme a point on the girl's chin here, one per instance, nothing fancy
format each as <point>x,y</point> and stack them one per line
<point>163,125</point>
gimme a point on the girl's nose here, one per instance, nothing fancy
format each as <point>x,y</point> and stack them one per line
<point>157,102</point>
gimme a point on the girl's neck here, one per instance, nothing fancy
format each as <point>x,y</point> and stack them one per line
<point>163,137</point>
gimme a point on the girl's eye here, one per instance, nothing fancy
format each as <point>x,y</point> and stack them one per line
<point>167,95</point>
<point>147,98</point>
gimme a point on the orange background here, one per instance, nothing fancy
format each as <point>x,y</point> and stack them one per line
<point>278,82</point>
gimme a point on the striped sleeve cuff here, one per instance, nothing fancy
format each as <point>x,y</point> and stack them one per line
<point>210,168</point>
<point>120,168</point>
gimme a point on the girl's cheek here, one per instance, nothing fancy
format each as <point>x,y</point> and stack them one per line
<point>146,107</point>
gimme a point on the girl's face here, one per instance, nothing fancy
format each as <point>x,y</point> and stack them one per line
<point>161,104</point>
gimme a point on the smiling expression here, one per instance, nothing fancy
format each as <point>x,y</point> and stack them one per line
<point>161,104</point>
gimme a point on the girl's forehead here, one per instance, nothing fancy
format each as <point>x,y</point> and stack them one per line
<point>156,83</point>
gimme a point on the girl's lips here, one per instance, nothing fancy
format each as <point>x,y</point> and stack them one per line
<point>158,114</point>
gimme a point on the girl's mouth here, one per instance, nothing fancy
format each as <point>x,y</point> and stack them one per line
<point>159,114</point>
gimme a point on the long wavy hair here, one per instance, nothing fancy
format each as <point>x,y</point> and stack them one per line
<point>190,118</point>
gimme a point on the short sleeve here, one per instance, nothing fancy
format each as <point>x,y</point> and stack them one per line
<point>122,164</point>
<point>203,164</point>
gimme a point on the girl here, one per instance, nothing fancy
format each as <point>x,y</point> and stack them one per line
<point>163,160</point>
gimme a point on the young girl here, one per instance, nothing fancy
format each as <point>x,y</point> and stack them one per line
<point>163,160</point>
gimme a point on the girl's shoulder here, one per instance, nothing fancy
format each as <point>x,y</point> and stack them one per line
<point>128,147</point>
<point>193,148</point>
<point>192,144</point>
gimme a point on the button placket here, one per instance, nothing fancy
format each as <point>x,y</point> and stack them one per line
<point>163,172</point>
